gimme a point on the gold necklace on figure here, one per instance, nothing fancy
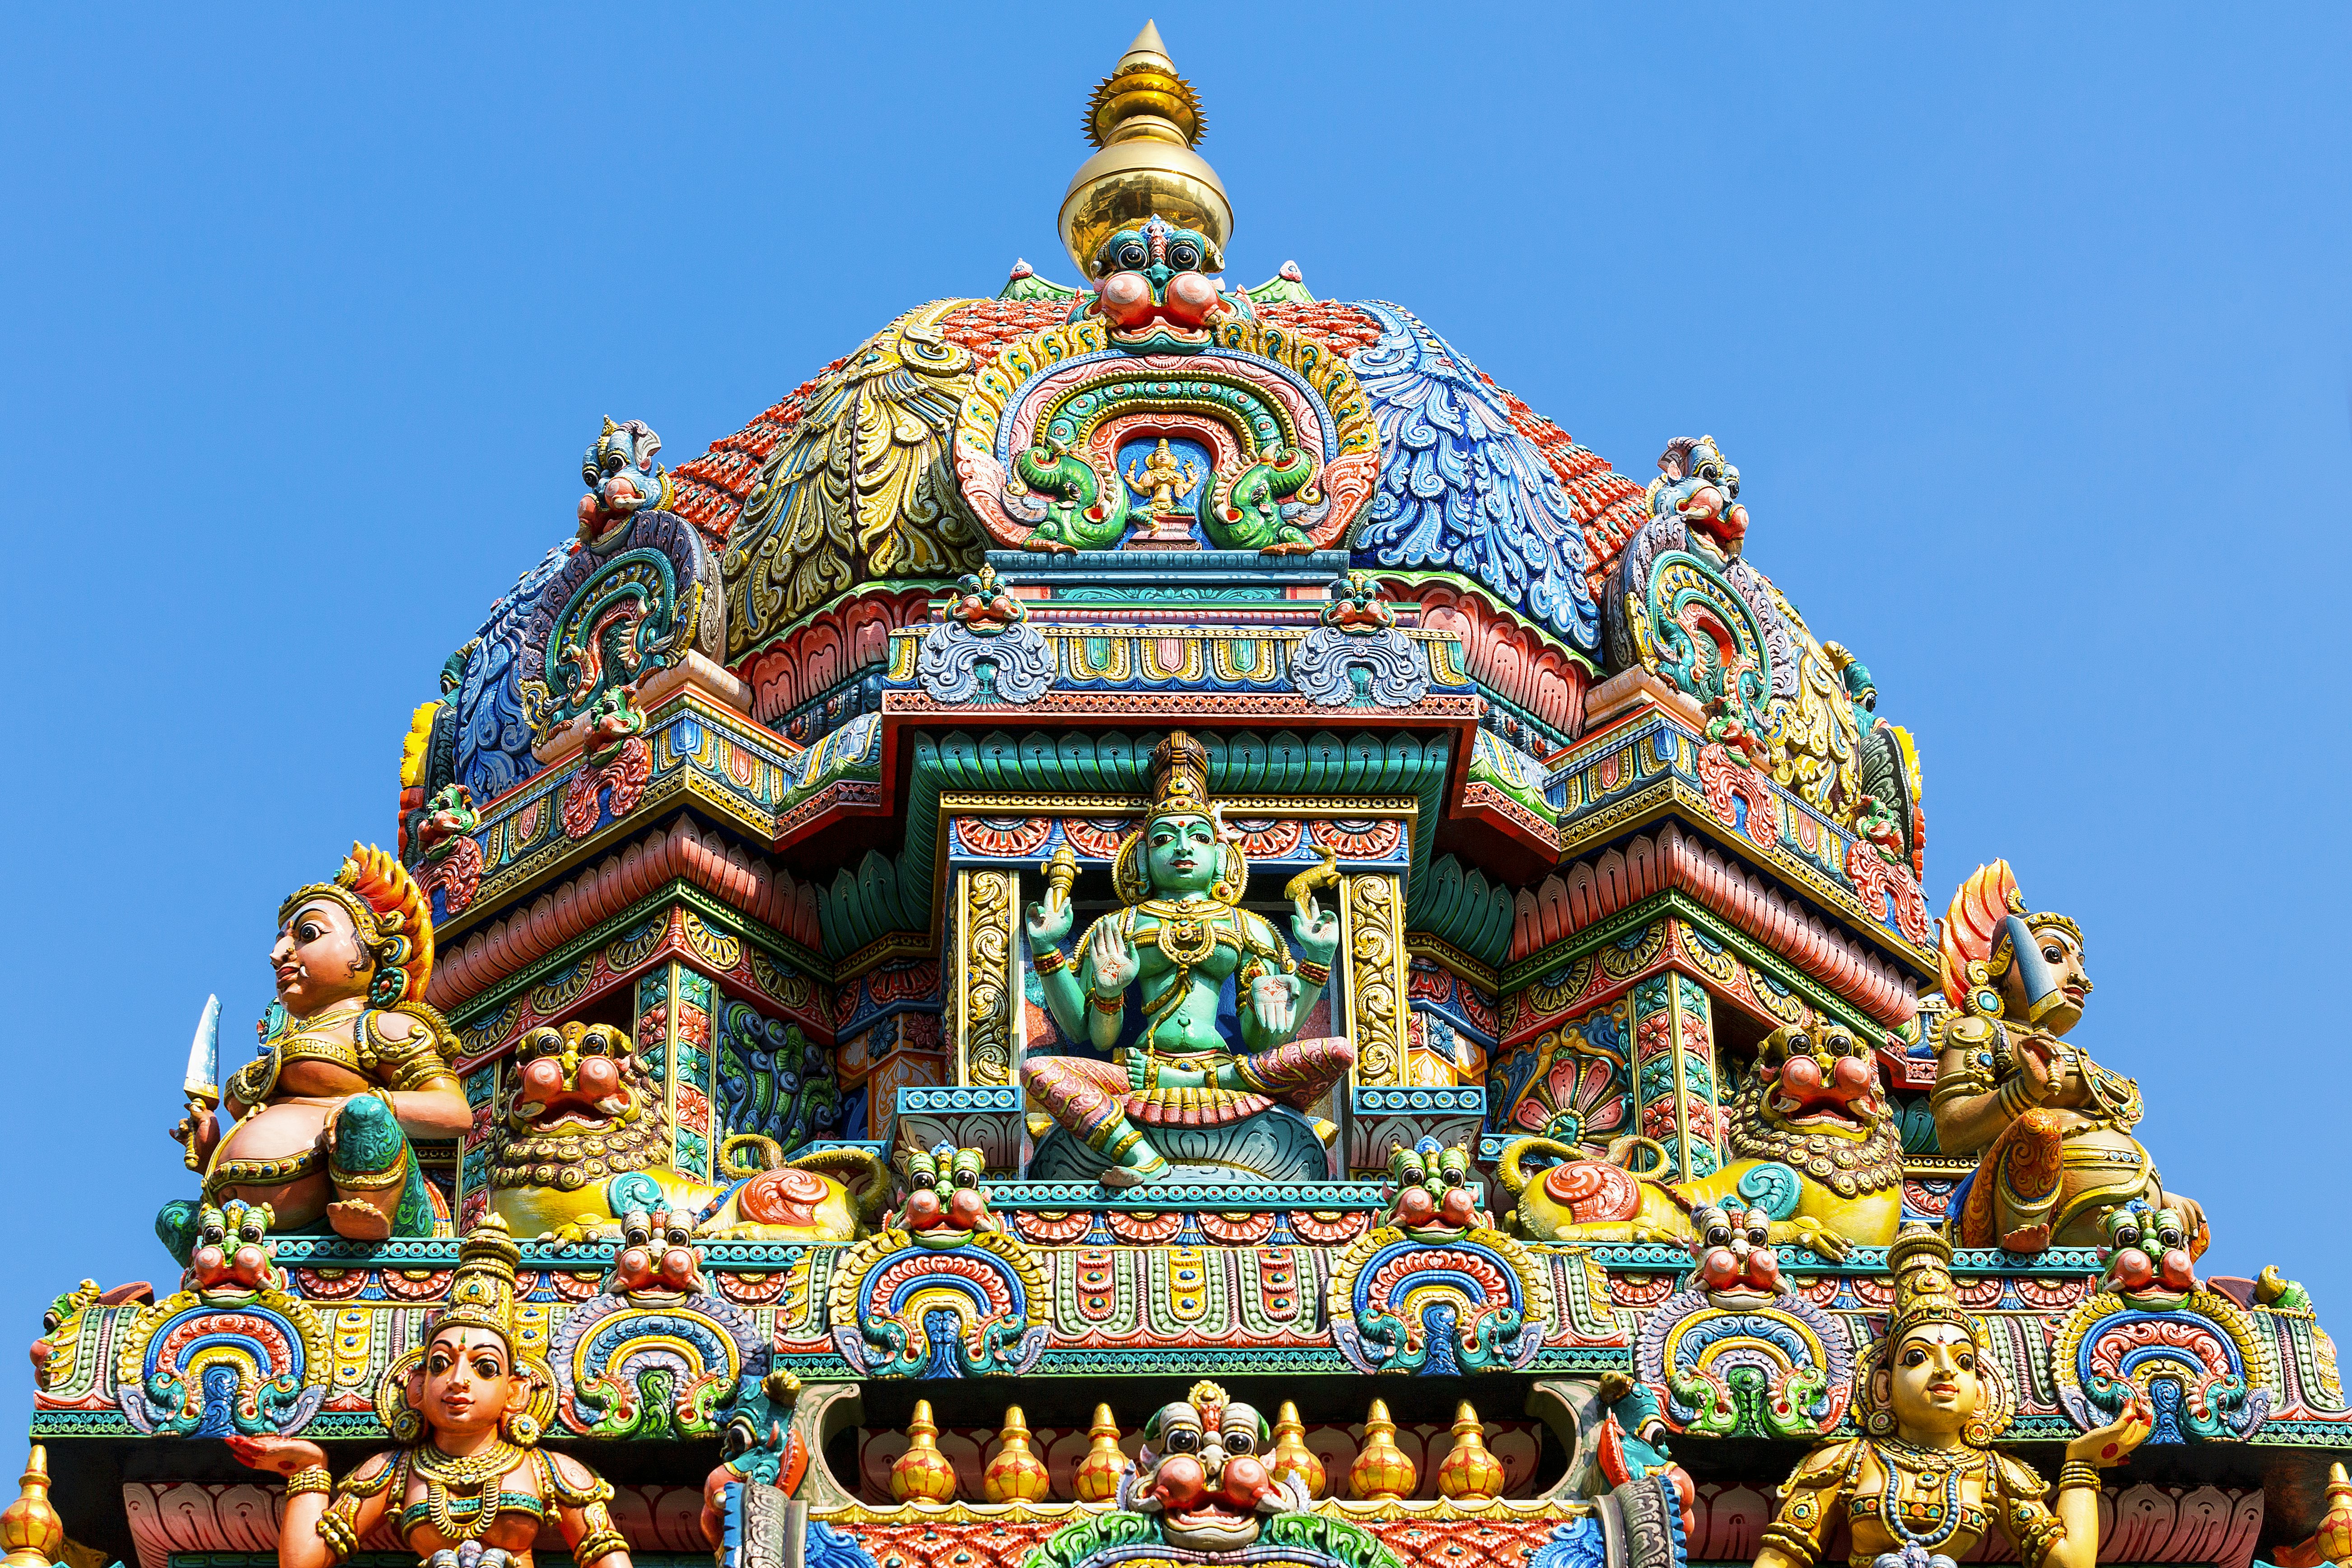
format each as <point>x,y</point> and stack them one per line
<point>475,1473</point>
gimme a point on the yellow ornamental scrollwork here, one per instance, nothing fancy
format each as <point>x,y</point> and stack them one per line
<point>984,1018</point>
<point>1376,978</point>
<point>859,490</point>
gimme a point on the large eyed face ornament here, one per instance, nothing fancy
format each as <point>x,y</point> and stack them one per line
<point>1151,284</point>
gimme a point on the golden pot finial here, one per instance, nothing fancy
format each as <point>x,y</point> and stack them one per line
<point>29,1528</point>
<point>1146,120</point>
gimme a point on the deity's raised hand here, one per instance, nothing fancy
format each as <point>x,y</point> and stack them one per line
<point>1114,961</point>
<point>1049,921</point>
<point>2113,1444</point>
<point>1276,996</point>
<point>1316,929</point>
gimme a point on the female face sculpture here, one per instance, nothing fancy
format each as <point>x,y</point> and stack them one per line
<point>465,1385</point>
<point>1181,855</point>
<point>1936,1386</point>
<point>319,959</point>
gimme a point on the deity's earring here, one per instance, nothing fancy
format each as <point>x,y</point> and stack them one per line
<point>520,1426</point>
<point>1879,1422</point>
<point>407,1423</point>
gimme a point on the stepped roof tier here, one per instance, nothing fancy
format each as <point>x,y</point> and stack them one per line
<point>1151,924</point>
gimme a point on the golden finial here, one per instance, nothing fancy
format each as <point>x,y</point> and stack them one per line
<point>1016,1474</point>
<point>922,1474</point>
<point>1292,1456</point>
<point>1096,1480</point>
<point>1381,1472</point>
<point>1469,1472</point>
<point>29,1528</point>
<point>1146,120</point>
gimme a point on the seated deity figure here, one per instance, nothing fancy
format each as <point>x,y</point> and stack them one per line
<point>1923,1485</point>
<point>323,1116</point>
<point>2052,1129</point>
<point>469,1483</point>
<point>1180,941</point>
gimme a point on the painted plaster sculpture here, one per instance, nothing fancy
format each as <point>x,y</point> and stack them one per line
<point>470,1483</point>
<point>1813,1145</point>
<point>1435,826</point>
<point>2052,1128</point>
<point>355,1065</point>
<point>1924,1485</point>
<point>1180,933</point>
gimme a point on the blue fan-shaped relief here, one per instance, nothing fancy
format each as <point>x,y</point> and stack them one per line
<point>493,739</point>
<point>1460,488</point>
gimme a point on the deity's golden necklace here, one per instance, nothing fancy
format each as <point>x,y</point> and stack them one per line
<point>475,1473</point>
<point>1188,932</point>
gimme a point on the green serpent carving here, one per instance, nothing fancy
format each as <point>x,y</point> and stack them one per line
<point>1076,517</point>
<point>1251,518</point>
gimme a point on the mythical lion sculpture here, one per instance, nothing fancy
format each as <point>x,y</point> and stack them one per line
<point>1812,1144</point>
<point>582,1141</point>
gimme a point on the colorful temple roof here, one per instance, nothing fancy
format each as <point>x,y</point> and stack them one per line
<point>1149,923</point>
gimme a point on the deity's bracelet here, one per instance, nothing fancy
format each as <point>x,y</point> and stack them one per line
<point>1312,972</point>
<point>309,1478</point>
<point>1049,962</point>
<point>1114,1002</point>
<point>2078,1475</point>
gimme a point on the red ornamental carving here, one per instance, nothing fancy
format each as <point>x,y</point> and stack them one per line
<point>1362,840</point>
<point>1727,781</point>
<point>1882,884</point>
<point>784,1197</point>
<point>456,872</point>
<point>828,649</point>
<point>624,774</point>
<point>1094,838</point>
<point>1508,658</point>
<point>1266,838</point>
<point>1593,891</point>
<point>1003,834</point>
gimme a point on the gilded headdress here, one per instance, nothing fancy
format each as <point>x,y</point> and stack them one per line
<point>1925,1294</point>
<point>393,918</point>
<point>481,1296</point>
<point>1180,787</point>
<point>1979,941</point>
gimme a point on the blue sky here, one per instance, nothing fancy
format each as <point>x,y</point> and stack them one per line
<point>2028,329</point>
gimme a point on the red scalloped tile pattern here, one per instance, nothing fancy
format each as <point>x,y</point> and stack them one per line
<point>1342,326</point>
<point>711,489</point>
<point>985,326</point>
<point>1607,504</point>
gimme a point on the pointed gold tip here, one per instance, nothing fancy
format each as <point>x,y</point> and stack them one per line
<point>1147,42</point>
<point>1013,1416</point>
<point>1466,1415</point>
<point>1103,1418</point>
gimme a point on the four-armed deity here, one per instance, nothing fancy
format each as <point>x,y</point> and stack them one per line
<point>1207,1041</point>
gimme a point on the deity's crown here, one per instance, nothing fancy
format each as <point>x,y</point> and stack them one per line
<point>390,912</point>
<point>1921,1262</point>
<point>482,1294</point>
<point>1180,777</point>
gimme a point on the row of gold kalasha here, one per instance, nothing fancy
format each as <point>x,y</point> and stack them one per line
<point>1381,1472</point>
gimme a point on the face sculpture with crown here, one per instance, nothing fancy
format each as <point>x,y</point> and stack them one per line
<point>1185,1086</point>
<point>1924,1485</point>
<point>470,1484</point>
<point>356,1068</point>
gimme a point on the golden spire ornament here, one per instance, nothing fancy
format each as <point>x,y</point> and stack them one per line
<point>29,1527</point>
<point>1015,1474</point>
<point>1096,1480</point>
<point>922,1474</point>
<point>1292,1456</point>
<point>1146,120</point>
<point>1381,1472</point>
<point>1469,1472</point>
